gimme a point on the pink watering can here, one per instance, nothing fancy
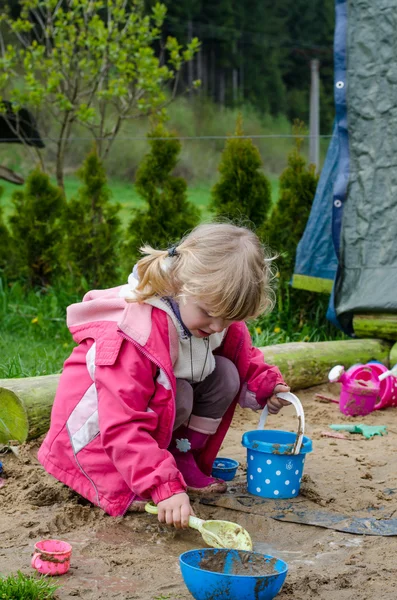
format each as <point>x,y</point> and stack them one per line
<point>360,393</point>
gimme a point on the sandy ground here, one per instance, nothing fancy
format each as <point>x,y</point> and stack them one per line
<point>137,558</point>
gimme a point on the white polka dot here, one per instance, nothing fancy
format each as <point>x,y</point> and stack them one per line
<point>258,489</point>
<point>267,481</point>
<point>269,462</point>
<point>293,491</point>
<point>251,457</point>
<point>276,492</point>
<point>287,482</point>
<point>300,479</point>
<point>259,470</point>
<point>278,472</point>
<point>296,472</point>
<point>251,477</point>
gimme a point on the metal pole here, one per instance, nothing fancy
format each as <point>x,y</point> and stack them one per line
<point>314,126</point>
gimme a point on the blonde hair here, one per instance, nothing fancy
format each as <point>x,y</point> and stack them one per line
<point>222,265</point>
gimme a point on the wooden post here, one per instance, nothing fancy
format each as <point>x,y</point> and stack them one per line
<point>314,118</point>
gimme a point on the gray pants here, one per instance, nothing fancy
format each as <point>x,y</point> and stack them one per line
<point>211,397</point>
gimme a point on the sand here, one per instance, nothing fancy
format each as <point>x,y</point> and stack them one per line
<point>135,557</point>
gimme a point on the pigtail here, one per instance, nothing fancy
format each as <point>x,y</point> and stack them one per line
<point>155,274</point>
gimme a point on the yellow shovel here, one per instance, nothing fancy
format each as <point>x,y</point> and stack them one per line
<point>218,534</point>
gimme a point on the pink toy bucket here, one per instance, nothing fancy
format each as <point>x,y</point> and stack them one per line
<point>51,557</point>
<point>359,397</point>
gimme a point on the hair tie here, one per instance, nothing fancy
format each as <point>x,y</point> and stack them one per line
<point>172,251</point>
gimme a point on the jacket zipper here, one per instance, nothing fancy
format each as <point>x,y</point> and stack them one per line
<point>238,350</point>
<point>158,365</point>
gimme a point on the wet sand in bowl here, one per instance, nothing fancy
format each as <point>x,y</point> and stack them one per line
<point>244,563</point>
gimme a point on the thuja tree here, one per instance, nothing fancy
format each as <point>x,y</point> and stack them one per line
<point>243,191</point>
<point>287,221</point>
<point>283,231</point>
<point>89,63</point>
<point>168,214</point>
<point>36,232</point>
<point>93,229</point>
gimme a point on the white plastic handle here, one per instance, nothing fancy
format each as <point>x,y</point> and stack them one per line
<point>294,400</point>
<point>392,371</point>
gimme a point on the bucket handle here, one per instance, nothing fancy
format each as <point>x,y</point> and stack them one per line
<point>294,400</point>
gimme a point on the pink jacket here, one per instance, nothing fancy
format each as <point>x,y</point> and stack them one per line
<point>113,413</point>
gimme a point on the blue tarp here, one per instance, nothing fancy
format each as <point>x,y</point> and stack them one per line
<point>316,265</point>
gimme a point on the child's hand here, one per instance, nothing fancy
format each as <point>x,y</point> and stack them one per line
<point>175,511</point>
<point>275,404</point>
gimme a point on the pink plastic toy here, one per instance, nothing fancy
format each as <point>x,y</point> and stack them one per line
<point>51,557</point>
<point>360,393</point>
<point>388,386</point>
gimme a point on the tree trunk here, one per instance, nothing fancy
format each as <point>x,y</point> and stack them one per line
<point>235,86</point>
<point>393,355</point>
<point>381,326</point>
<point>199,69</point>
<point>222,88</point>
<point>25,404</point>
<point>25,407</point>
<point>190,63</point>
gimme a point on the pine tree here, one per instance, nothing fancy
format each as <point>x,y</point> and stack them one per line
<point>93,229</point>
<point>168,213</point>
<point>288,219</point>
<point>36,233</point>
<point>243,191</point>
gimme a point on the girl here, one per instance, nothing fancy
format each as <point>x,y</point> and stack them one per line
<point>147,396</point>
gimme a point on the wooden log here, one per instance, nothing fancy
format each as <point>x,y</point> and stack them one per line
<point>393,355</point>
<point>376,326</point>
<point>25,407</point>
<point>25,404</point>
<point>304,364</point>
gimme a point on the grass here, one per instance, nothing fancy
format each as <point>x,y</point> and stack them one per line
<point>34,339</point>
<point>25,587</point>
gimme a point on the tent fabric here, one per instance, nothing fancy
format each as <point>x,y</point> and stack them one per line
<point>355,205</point>
<point>316,259</point>
<point>316,262</point>
<point>366,280</point>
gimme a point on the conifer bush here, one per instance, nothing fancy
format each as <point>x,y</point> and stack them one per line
<point>287,221</point>
<point>93,229</point>
<point>283,231</point>
<point>168,214</point>
<point>36,232</point>
<point>243,191</point>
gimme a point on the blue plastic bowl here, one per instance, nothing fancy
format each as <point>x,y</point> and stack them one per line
<point>205,585</point>
<point>225,468</point>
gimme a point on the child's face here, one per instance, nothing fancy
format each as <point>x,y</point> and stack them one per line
<point>197,318</point>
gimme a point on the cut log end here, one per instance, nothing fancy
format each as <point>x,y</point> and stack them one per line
<point>13,418</point>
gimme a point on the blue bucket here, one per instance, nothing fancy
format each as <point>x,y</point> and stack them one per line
<point>273,470</point>
<point>222,584</point>
<point>224,468</point>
